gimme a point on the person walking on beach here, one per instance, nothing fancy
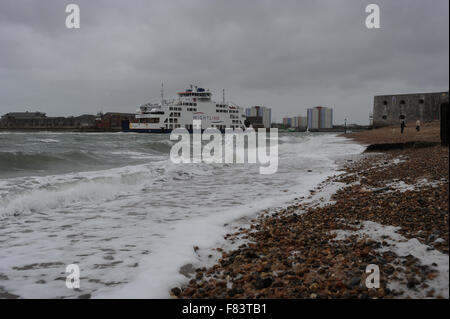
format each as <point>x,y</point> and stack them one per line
<point>417,125</point>
<point>402,126</point>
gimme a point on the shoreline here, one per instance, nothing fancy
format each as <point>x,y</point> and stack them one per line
<point>389,214</point>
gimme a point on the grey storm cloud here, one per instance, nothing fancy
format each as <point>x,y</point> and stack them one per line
<point>289,55</point>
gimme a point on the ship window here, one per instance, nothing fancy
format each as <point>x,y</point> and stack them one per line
<point>421,101</point>
<point>384,117</point>
<point>402,102</point>
<point>385,103</point>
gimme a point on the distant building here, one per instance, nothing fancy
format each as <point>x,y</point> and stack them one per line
<point>300,122</point>
<point>40,121</point>
<point>259,115</point>
<point>113,121</point>
<point>320,117</point>
<point>392,109</point>
<point>24,116</point>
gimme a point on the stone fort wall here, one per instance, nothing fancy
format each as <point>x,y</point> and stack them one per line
<point>392,109</point>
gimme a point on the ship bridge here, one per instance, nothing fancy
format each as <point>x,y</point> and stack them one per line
<point>196,94</point>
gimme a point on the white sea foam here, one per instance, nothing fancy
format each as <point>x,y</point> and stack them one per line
<point>47,140</point>
<point>403,247</point>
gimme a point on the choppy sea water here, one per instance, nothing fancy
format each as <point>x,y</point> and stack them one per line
<point>114,204</point>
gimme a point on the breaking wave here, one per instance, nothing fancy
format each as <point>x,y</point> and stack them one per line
<point>43,160</point>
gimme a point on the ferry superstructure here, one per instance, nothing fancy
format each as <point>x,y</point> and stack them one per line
<point>192,104</point>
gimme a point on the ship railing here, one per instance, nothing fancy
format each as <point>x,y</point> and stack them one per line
<point>171,102</point>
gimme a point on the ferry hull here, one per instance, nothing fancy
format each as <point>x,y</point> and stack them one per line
<point>160,131</point>
<point>157,131</point>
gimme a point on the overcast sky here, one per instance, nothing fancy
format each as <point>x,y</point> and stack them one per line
<point>289,55</point>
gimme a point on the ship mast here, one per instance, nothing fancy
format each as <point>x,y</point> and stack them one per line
<point>162,93</point>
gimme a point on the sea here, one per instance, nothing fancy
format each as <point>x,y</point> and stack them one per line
<point>118,208</point>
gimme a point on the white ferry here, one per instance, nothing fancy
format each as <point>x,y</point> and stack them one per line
<point>192,104</point>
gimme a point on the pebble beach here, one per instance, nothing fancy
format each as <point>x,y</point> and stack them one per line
<point>384,208</point>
